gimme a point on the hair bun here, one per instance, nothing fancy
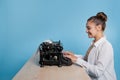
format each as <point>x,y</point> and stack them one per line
<point>102,16</point>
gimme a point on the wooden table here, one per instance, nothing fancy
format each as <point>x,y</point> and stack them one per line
<point>32,71</point>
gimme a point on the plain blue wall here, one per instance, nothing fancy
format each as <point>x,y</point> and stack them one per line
<point>24,24</point>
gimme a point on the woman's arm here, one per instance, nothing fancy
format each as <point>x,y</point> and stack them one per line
<point>104,59</point>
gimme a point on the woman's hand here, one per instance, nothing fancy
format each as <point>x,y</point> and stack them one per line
<point>70,55</point>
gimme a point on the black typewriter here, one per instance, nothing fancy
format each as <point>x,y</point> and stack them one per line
<point>51,54</point>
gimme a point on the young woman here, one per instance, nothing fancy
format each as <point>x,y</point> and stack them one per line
<point>99,59</point>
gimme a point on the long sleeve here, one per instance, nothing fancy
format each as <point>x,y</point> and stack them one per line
<point>79,56</point>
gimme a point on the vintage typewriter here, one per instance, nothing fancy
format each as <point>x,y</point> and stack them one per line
<point>51,54</point>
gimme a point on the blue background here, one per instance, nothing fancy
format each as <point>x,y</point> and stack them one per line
<point>24,24</point>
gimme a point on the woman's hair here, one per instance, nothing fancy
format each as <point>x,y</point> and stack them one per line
<point>99,19</point>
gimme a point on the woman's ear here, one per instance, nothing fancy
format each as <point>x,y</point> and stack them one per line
<point>99,27</point>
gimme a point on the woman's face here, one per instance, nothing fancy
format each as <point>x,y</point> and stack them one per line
<point>91,29</point>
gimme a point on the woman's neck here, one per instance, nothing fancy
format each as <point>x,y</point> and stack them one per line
<point>99,36</point>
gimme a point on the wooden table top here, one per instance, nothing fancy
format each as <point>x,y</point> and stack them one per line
<point>32,71</point>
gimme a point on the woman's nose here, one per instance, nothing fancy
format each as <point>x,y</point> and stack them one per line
<point>86,31</point>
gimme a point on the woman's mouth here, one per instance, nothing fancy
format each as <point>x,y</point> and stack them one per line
<point>89,35</point>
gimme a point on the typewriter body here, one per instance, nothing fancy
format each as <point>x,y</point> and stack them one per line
<point>51,54</point>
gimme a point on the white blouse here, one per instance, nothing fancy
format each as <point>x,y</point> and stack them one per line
<point>100,65</point>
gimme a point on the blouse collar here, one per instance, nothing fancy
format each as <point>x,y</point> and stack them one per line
<point>99,41</point>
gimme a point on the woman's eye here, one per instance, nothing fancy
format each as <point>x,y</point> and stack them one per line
<point>88,28</point>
